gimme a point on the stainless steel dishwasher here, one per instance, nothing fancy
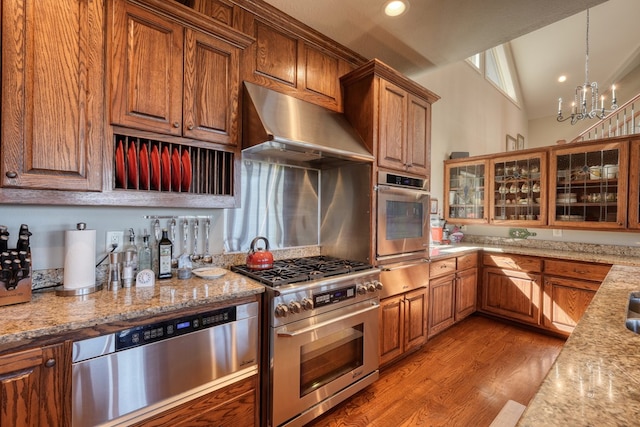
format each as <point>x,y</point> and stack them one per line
<point>127,376</point>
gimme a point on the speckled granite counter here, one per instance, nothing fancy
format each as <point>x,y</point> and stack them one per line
<point>595,381</point>
<point>632,259</point>
<point>48,314</point>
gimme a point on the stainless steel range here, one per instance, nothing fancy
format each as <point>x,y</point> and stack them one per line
<point>322,316</point>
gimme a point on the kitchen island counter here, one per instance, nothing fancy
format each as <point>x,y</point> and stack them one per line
<point>48,315</point>
<point>596,378</point>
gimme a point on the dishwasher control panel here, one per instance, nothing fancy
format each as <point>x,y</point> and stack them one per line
<point>159,331</point>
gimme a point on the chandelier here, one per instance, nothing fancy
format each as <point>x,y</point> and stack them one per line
<point>585,105</point>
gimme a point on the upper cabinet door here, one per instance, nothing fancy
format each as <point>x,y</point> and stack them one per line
<point>418,136</point>
<point>146,70</point>
<point>52,94</point>
<point>589,185</point>
<point>211,87</point>
<point>392,126</point>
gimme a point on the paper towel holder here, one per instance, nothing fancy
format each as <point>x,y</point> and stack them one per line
<point>67,292</point>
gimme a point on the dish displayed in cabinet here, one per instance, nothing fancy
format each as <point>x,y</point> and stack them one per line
<point>518,182</point>
<point>465,184</point>
<point>588,185</point>
<point>159,166</point>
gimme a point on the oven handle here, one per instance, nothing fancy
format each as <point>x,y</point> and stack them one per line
<point>403,190</point>
<point>315,326</point>
<point>406,264</point>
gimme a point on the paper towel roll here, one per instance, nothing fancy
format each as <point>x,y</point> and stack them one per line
<point>79,259</point>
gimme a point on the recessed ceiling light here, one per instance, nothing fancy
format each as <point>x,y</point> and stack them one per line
<point>396,7</point>
<point>562,79</point>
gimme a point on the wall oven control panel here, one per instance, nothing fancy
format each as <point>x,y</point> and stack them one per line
<point>334,296</point>
<point>401,181</point>
<point>159,331</point>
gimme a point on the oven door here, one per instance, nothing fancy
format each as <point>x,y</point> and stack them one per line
<point>315,358</point>
<point>403,221</point>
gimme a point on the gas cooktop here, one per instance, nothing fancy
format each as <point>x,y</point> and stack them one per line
<point>294,270</point>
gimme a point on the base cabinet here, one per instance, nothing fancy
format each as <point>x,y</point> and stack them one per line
<point>466,293</point>
<point>32,387</point>
<point>568,290</point>
<point>442,303</point>
<point>403,324</point>
<point>512,294</point>
<point>550,294</point>
<point>453,291</point>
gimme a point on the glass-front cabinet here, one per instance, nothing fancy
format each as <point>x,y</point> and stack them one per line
<point>518,191</point>
<point>588,185</point>
<point>465,199</point>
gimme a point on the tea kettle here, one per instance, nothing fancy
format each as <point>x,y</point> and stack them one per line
<point>260,259</point>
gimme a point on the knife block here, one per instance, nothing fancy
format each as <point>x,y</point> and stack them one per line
<point>21,293</point>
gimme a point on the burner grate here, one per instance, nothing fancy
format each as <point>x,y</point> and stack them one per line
<point>295,270</point>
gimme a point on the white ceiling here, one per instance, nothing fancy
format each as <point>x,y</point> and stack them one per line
<point>547,37</point>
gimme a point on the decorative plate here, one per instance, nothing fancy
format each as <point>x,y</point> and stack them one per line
<point>209,273</point>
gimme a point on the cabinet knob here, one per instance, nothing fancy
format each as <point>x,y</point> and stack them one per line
<point>176,124</point>
<point>50,363</point>
<point>190,127</point>
<point>11,174</point>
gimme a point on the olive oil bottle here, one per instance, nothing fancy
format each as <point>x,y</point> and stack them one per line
<point>165,252</point>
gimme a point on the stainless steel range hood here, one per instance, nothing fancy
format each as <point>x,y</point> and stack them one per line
<point>282,129</point>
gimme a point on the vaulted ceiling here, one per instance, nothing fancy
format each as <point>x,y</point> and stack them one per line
<point>547,37</point>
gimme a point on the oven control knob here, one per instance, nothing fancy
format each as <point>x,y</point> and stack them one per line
<point>378,284</point>
<point>295,307</point>
<point>307,304</point>
<point>282,310</point>
<point>371,287</point>
<point>362,289</point>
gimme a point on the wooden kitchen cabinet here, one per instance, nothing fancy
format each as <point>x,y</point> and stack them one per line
<point>466,201</point>
<point>403,324</point>
<point>568,289</point>
<point>633,221</point>
<point>466,295</point>
<point>34,387</point>
<point>392,114</point>
<point>441,303</point>
<point>588,185</point>
<point>282,60</point>
<point>511,287</point>
<point>518,189</point>
<point>452,291</point>
<point>52,94</point>
<point>169,78</point>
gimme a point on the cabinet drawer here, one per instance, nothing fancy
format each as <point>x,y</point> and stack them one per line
<point>467,261</point>
<point>442,267</point>
<point>578,270</point>
<point>513,262</point>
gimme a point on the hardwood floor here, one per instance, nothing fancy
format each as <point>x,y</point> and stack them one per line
<point>462,377</point>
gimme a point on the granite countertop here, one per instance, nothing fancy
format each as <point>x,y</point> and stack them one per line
<point>438,252</point>
<point>596,378</point>
<point>50,314</point>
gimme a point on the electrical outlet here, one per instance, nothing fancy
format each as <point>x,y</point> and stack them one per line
<point>114,237</point>
<point>557,233</point>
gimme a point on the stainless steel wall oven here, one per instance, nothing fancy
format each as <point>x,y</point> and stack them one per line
<point>402,223</point>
